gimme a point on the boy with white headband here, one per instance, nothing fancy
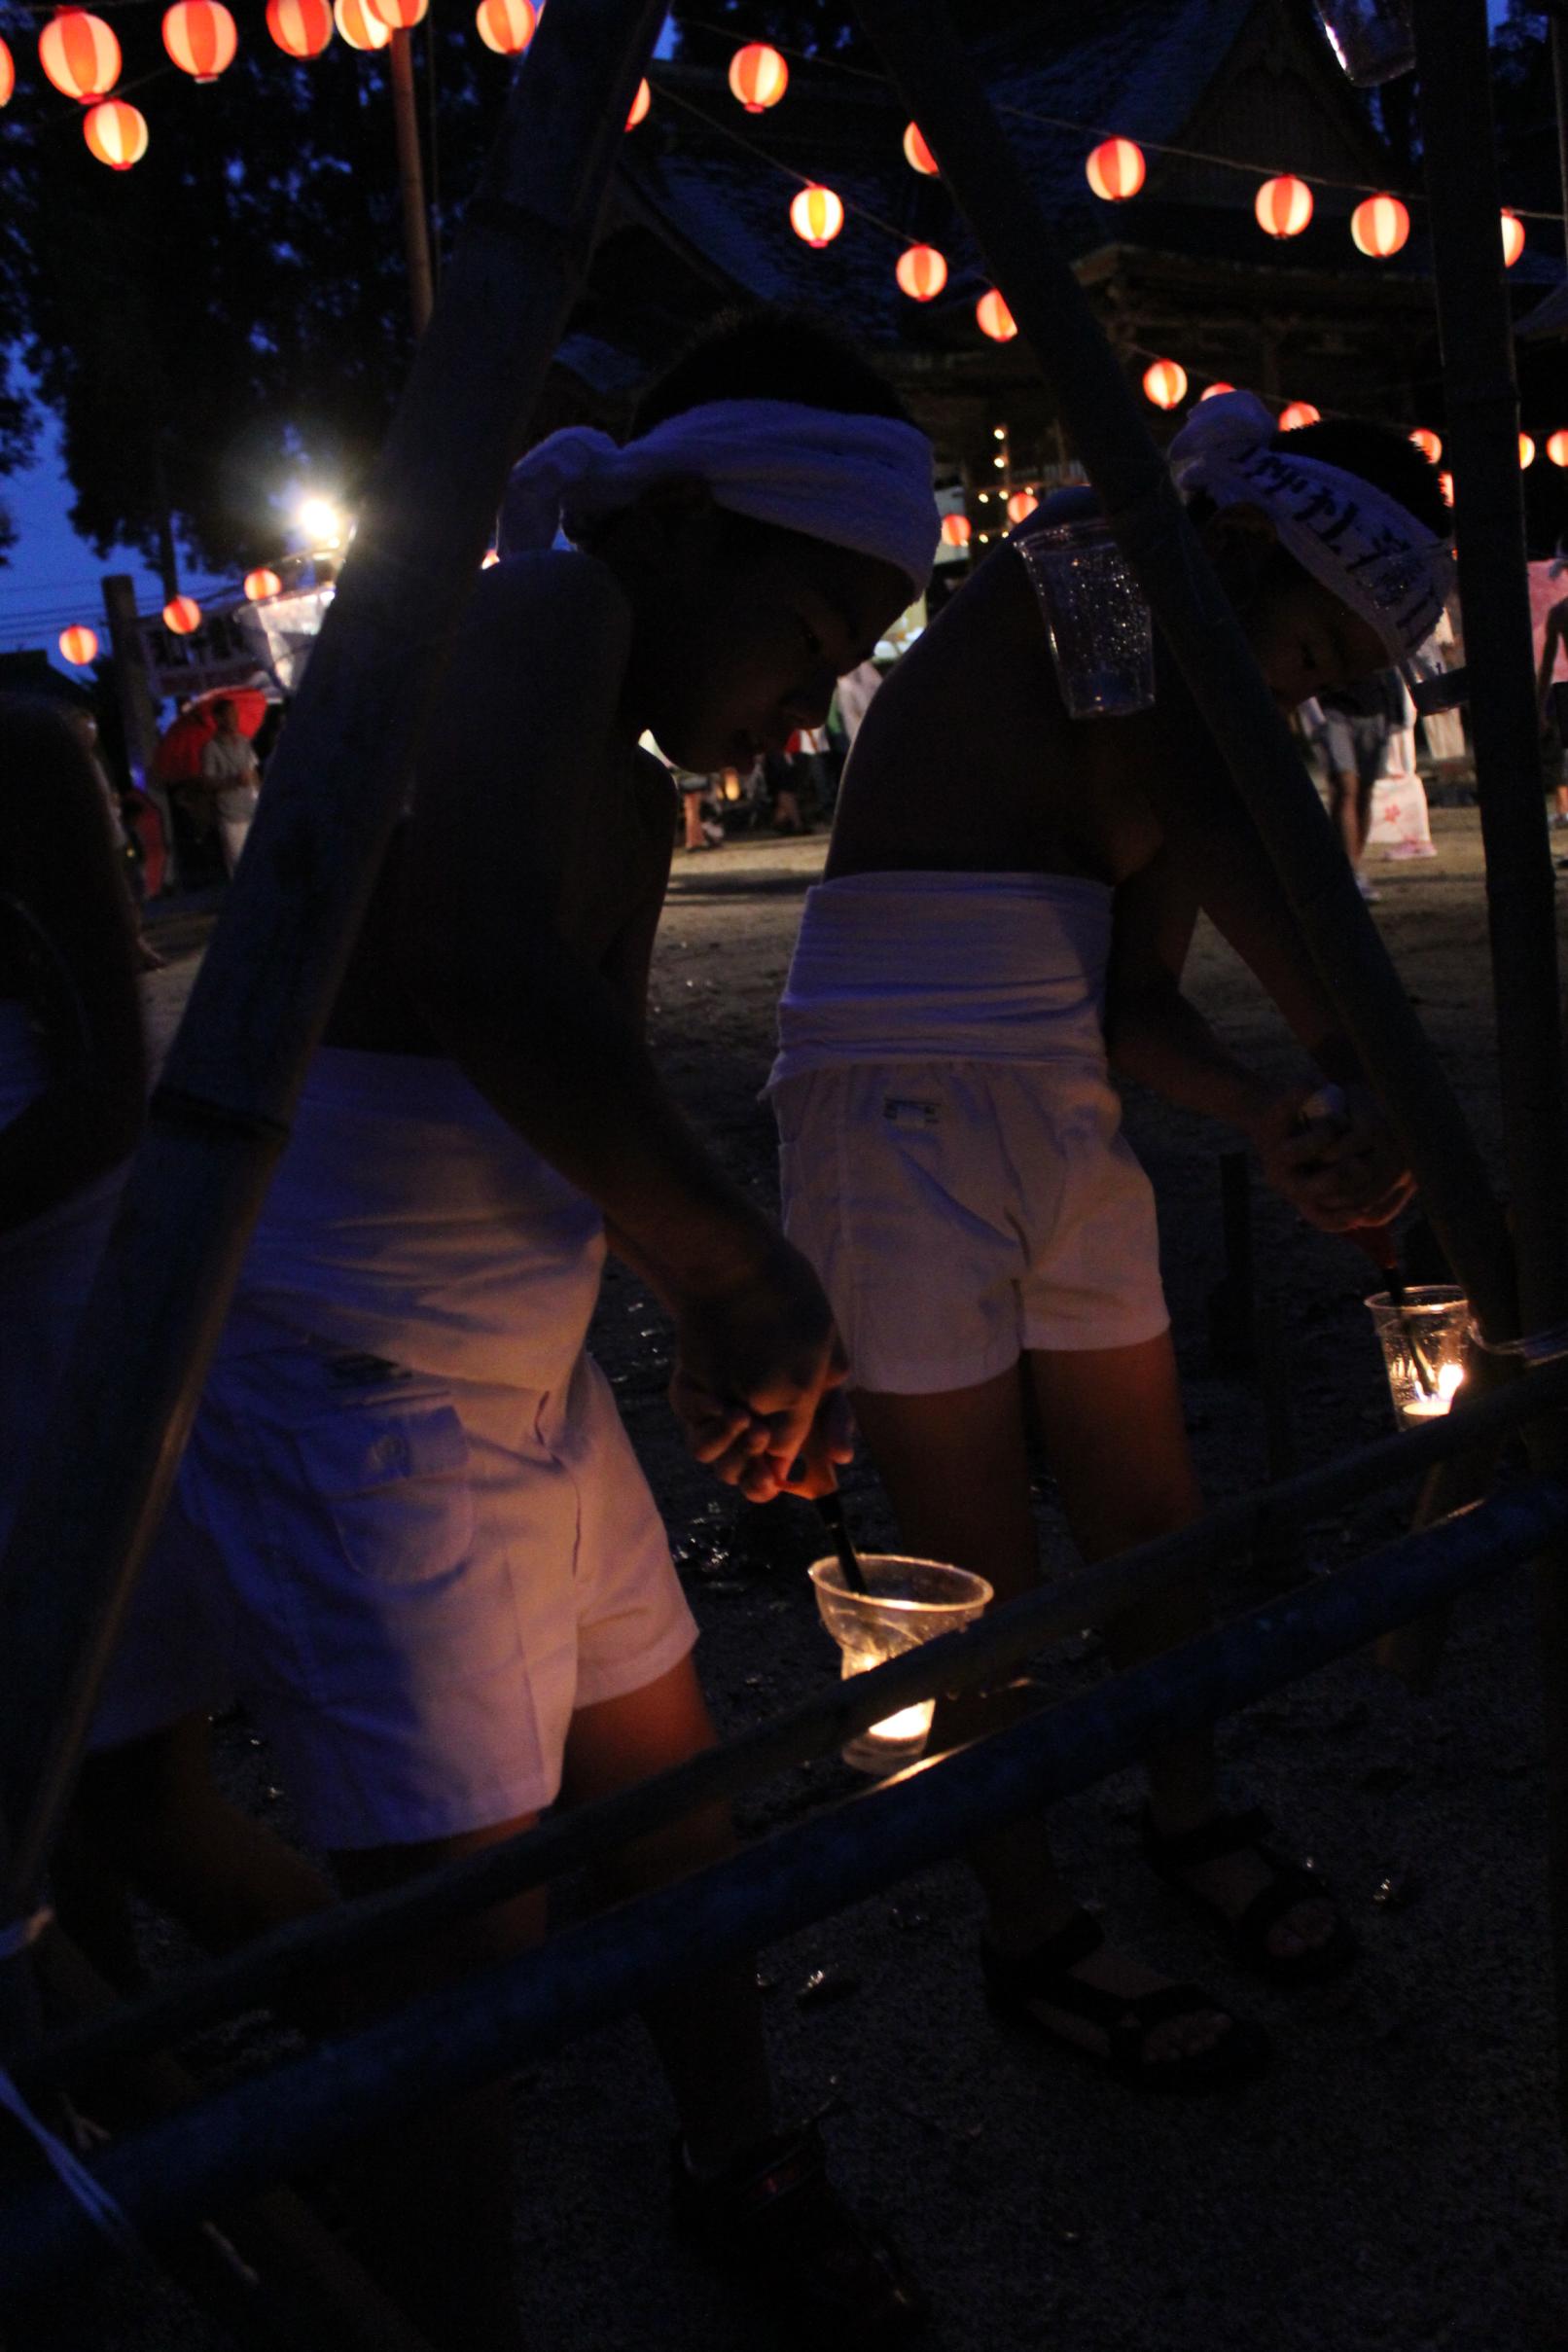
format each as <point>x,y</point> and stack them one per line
<point>410,1529</point>
<point>945,1104</point>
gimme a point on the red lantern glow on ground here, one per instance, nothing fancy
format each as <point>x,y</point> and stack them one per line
<point>506,25</point>
<point>923,273</point>
<point>301,29</point>
<point>956,531</point>
<point>757,77</point>
<point>360,27</point>
<point>1379,225</point>
<point>202,37</point>
<point>917,154</point>
<point>1283,206</point>
<point>262,583</point>
<point>995,318</point>
<point>8,75</point>
<point>1020,506</point>
<point>1557,449</point>
<point>1513,237</point>
<point>182,615</point>
<point>1116,170</point>
<point>79,53</point>
<point>116,133</point>
<point>1430,446</point>
<point>1299,412</point>
<point>816,215</point>
<point>1216,391</point>
<point>79,645</point>
<point>1527,452</point>
<point>1164,382</point>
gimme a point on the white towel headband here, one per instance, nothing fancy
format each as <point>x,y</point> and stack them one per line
<point>857,482</point>
<point>1363,546</point>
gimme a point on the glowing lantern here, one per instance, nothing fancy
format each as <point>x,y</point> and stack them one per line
<point>1283,206</point>
<point>182,615</point>
<point>1446,485</point>
<point>1020,506</point>
<point>956,531</point>
<point>506,25</point>
<point>401,14</point>
<point>917,154</point>
<point>79,53</point>
<point>639,105</point>
<point>301,29</point>
<point>1216,391</point>
<point>1513,237</point>
<point>1557,449</point>
<point>923,273</point>
<point>1299,412</point>
<point>201,37</point>
<point>995,318</point>
<point>261,585</point>
<point>360,29</point>
<point>1114,170</point>
<point>1526,450</point>
<point>757,77</point>
<point>1165,383</point>
<point>1379,225</point>
<point>8,75</point>
<point>1430,446</point>
<point>79,645</point>
<point>816,215</point>
<point>116,133</point>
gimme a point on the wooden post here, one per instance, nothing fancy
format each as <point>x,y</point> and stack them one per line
<point>411,180</point>
<point>1454,70</point>
<point>333,791</point>
<point>1145,511</point>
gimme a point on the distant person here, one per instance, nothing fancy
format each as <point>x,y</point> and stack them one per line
<point>230,773</point>
<point>1358,724</point>
<point>1550,701</point>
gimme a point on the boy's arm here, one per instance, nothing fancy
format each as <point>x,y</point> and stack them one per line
<point>526,721</point>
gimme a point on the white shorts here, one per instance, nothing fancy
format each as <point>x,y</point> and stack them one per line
<point>960,1213</point>
<point>411,1582</point>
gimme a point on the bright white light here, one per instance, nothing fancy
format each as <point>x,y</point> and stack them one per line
<point>320,521</point>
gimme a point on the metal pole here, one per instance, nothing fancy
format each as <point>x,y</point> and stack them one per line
<point>333,794</point>
<point>938,83</point>
<point>464,2034</point>
<point>412,181</point>
<point>303,1950</point>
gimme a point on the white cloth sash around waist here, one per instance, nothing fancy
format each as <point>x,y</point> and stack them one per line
<point>943,967</point>
<point>407,1220</point>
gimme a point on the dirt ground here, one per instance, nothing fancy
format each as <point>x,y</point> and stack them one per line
<point>1396,2184</point>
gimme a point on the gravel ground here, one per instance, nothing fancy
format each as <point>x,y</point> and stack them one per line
<point>1396,2184</point>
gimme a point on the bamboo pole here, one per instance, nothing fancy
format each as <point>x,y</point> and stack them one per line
<point>411,180</point>
<point>465,2033</point>
<point>1144,510</point>
<point>276,1965</point>
<point>1482,416</point>
<point>332,795</point>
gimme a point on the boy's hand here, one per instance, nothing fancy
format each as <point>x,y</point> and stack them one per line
<point>754,1364</point>
<point>1337,1172</point>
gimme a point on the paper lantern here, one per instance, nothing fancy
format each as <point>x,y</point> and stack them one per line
<point>923,273</point>
<point>301,29</point>
<point>816,215</point>
<point>1114,170</point>
<point>506,25</point>
<point>640,105</point>
<point>182,615</point>
<point>1283,206</point>
<point>995,318</point>
<point>1430,446</point>
<point>1216,391</point>
<point>201,37</point>
<point>8,75</point>
<point>79,53</point>
<point>1165,383</point>
<point>757,77</point>
<point>1526,450</point>
<point>1299,412</point>
<point>1379,225</point>
<point>956,531</point>
<point>401,16</point>
<point>1446,485</point>
<point>1513,237</point>
<point>1020,506</point>
<point>116,133</point>
<point>917,154</point>
<point>79,645</point>
<point>259,585</point>
<point>359,26</point>
<point>1557,449</point>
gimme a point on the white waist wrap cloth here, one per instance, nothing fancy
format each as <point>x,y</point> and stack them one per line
<point>409,1219</point>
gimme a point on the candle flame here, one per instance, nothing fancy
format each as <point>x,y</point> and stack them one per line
<point>1450,1376</point>
<point>908,1723</point>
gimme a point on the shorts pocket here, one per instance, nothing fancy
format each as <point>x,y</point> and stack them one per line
<point>393,1484</point>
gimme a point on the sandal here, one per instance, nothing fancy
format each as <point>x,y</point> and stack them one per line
<point>1013,1984</point>
<point>1171,1857</point>
<point>775,2224</point>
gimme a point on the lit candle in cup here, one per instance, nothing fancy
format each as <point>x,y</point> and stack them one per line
<point>1423,1338</point>
<point>1450,1379</point>
<point>907,1602</point>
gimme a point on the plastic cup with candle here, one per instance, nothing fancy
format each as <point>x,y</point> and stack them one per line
<point>1423,1338</point>
<point>906,1602</point>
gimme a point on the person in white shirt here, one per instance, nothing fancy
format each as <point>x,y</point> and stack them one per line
<point>229,772</point>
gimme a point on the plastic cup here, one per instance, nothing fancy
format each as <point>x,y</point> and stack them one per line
<point>1101,635</point>
<point>1424,1343</point>
<point>909,1602</point>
